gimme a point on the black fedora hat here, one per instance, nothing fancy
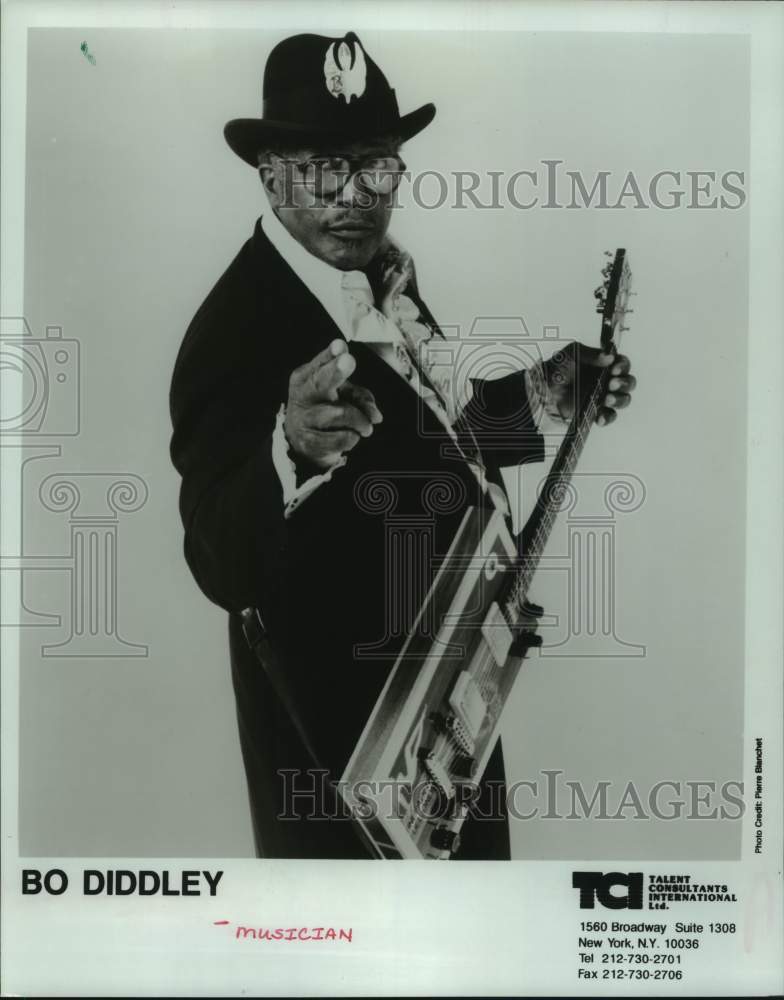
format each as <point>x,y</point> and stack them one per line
<point>318,88</point>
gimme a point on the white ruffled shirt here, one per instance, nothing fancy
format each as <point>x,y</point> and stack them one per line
<point>347,298</point>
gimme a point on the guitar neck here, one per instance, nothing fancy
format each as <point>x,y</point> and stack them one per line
<point>612,295</point>
<point>532,540</point>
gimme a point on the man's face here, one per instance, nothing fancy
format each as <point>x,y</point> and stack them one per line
<point>343,227</point>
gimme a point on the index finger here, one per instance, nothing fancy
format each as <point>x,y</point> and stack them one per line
<point>334,350</point>
<point>323,383</point>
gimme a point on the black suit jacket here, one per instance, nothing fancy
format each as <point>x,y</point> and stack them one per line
<point>330,578</point>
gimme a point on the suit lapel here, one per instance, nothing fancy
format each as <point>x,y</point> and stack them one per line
<point>386,384</point>
<point>306,326</point>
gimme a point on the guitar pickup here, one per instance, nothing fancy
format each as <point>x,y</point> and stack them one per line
<point>468,705</point>
<point>497,634</point>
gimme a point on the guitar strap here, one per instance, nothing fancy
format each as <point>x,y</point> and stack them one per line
<point>257,638</point>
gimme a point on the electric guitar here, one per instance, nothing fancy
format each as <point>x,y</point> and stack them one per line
<point>411,778</point>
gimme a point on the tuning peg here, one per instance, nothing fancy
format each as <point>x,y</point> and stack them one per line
<point>624,329</point>
<point>600,307</point>
<point>598,293</point>
<point>606,270</point>
<point>609,253</point>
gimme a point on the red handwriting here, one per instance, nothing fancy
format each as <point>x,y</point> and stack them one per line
<point>243,932</point>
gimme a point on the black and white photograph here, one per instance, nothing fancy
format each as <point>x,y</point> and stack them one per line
<point>391,473</point>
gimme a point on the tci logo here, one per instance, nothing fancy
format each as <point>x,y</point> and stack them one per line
<point>595,885</point>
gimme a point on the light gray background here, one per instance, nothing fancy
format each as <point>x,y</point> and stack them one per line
<point>134,208</point>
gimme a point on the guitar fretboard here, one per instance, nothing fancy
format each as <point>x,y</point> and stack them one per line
<point>533,539</point>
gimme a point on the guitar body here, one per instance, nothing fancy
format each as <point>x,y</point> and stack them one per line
<point>416,768</point>
<point>409,780</point>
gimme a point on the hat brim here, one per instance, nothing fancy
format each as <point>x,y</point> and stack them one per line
<point>247,136</point>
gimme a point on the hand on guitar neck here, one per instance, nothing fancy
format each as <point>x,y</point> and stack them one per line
<point>568,372</point>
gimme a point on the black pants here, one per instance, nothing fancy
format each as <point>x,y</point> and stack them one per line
<point>270,745</point>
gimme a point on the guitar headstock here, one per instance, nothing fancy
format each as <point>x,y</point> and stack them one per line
<point>613,297</point>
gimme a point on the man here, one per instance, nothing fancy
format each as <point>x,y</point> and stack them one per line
<point>303,410</point>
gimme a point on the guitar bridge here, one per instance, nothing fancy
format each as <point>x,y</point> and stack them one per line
<point>437,773</point>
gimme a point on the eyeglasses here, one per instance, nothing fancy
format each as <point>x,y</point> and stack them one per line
<point>328,175</point>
